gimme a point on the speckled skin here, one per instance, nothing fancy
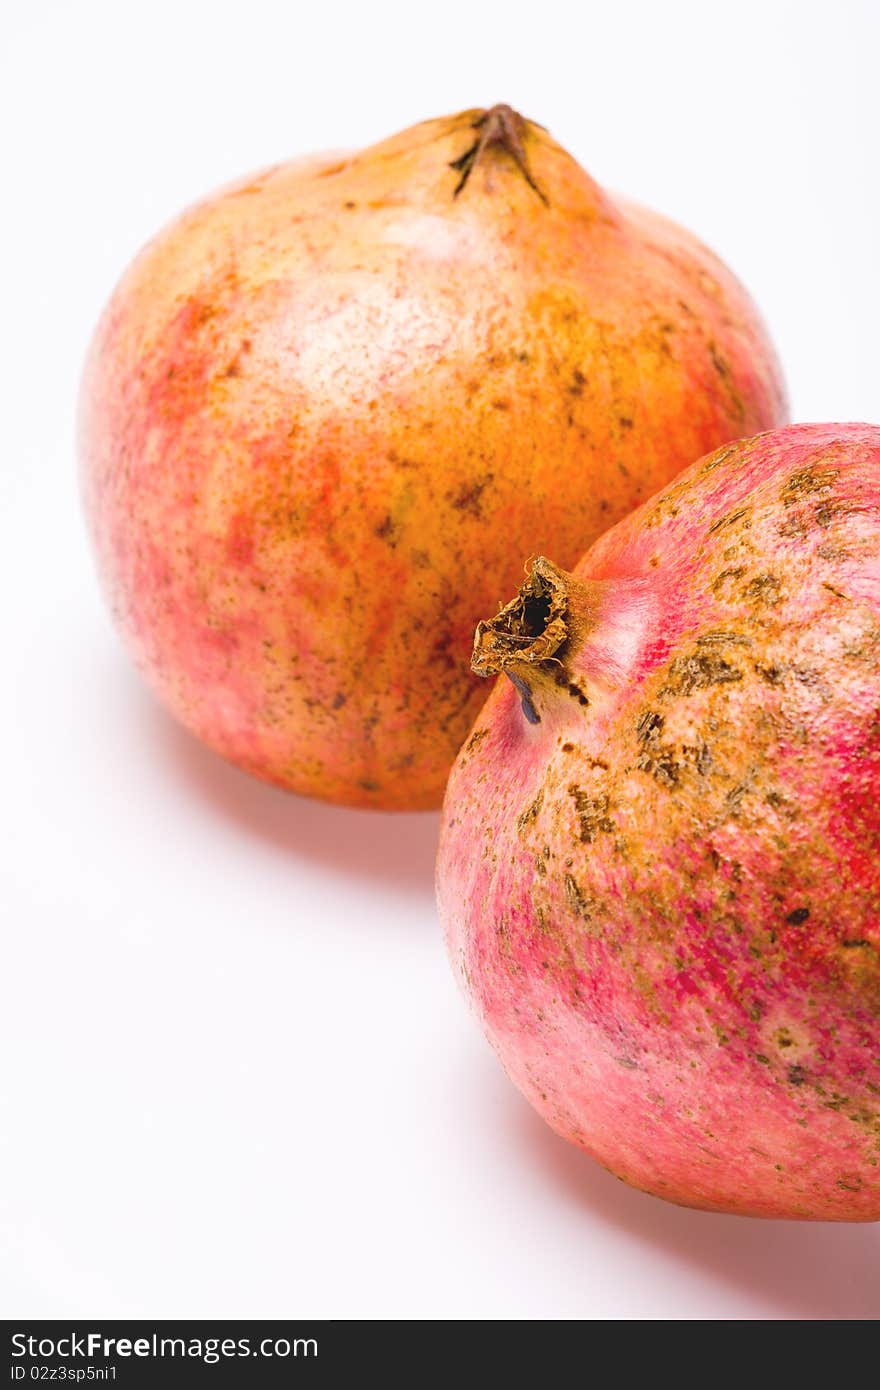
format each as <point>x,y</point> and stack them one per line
<point>329,409</point>
<point>664,903</point>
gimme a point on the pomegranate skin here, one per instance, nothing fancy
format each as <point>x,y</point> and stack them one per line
<point>329,409</point>
<point>663,897</point>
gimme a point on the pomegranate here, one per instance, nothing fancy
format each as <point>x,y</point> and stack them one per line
<point>329,409</point>
<point>659,869</point>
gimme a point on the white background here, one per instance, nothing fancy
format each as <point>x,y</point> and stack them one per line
<point>237,1078</point>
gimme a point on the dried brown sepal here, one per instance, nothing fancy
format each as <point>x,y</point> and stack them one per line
<point>531,629</point>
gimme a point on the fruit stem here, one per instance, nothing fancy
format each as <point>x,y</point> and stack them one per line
<point>498,126</point>
<point>531,639</point>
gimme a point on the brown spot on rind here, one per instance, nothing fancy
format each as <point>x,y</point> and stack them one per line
<point>722,455</point>
<point>729,520</point>
<point>807,480</point>
<point>771,674</point>
<point>724,639</point>
<point>576,898</point>
<point>727,576</point>
<point>592,813</point>
<point>698,671</point>
<point>734,797</point>
<point>656,758</point>
<point>531,813</point>
<point>649,724</point>
<point>469,496</point>
<point>764,589</point>
<point>661,765</point>
<point>389,531</point>
<point>718,362</point>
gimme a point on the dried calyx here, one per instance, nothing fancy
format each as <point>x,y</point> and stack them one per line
<point>535,639</point>
<point>500,127</point>
<point>530,629</point>
<point>543,638</point>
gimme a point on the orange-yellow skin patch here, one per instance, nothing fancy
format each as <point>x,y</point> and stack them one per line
<point>665,904</point>
<point>329,410</point>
